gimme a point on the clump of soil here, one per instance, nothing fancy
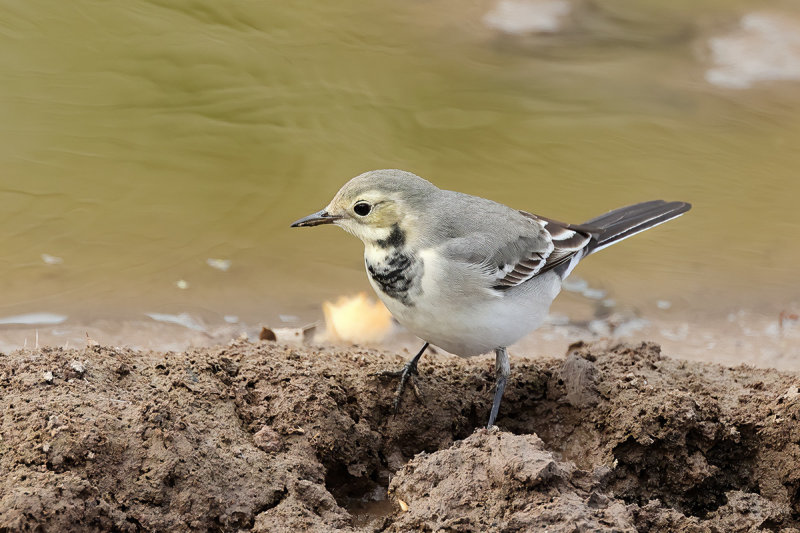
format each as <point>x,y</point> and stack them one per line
<point>267,437</point>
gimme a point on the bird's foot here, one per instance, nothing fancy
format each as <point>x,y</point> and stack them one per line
<point>406,375</point>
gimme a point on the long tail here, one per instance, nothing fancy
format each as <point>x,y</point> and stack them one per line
<point>624,222</point>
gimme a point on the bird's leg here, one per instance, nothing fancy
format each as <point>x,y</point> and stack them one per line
<point>409,369</point>
<point>502,369</point>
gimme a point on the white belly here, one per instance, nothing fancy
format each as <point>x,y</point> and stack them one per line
<point>455,312</point>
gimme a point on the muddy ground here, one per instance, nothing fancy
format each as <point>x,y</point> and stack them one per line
<point>267,437</point>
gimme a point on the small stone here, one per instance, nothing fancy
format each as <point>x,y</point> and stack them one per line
<point>597,500</point>
<point>77,366</point>
<point>48,376</point>
<point>122,370</point>
<point>229,366</point>
<point>268,440</point>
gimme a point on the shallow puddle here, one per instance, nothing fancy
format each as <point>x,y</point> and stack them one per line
<point>153,154</point>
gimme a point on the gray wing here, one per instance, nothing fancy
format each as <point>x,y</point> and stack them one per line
<point>565,243</point>
<point>540,245</point>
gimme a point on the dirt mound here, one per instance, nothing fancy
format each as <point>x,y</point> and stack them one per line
<point>274,438</point>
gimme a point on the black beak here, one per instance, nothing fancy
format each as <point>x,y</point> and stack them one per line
<point>320,217</point>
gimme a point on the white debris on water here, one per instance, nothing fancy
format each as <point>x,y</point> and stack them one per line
<point>31,319</point>
<point>182,319</point>
<point>676,333</point>
<point>581,286</point>
<point>630,326</point>
<point>617,326</point>
<point>220,264</point>
<point>557,319</point>
<point>519,17</point>
<point>231,319</point>
<point>594,294</point>
<point>765,47</point>
<point>600,327</point>
<point>51,259</point>
<point>773,330</point>
<point>182,284</point>
<point>574,284</point>
<point>663,304</point>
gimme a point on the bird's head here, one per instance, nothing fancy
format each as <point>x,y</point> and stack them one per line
<point>380,206</point>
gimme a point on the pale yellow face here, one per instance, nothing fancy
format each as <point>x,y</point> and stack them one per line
<point>379,207</point>
<point>370,215</point>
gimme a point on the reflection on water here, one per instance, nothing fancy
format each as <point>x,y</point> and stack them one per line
<point>149,146</point>
<point>764,47</point>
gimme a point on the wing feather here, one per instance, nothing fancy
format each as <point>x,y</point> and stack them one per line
<point>563,243</point>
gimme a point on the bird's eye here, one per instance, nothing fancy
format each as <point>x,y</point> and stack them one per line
<point>362,209</point>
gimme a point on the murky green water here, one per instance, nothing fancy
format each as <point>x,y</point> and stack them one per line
<point>140,138</point>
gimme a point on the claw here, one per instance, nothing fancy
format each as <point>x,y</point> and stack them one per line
<point>405,374</point>
<point>417,392</point>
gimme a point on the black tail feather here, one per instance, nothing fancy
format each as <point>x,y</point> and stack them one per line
<point>621,223</point>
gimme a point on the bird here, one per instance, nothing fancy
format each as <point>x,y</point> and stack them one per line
<point>465,273</point>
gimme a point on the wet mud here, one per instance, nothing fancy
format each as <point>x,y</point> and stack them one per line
<point>268,437</point>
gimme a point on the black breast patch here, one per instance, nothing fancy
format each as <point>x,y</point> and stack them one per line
<point>395,275</point>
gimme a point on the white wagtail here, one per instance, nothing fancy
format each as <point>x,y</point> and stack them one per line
<point>465,273</point>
